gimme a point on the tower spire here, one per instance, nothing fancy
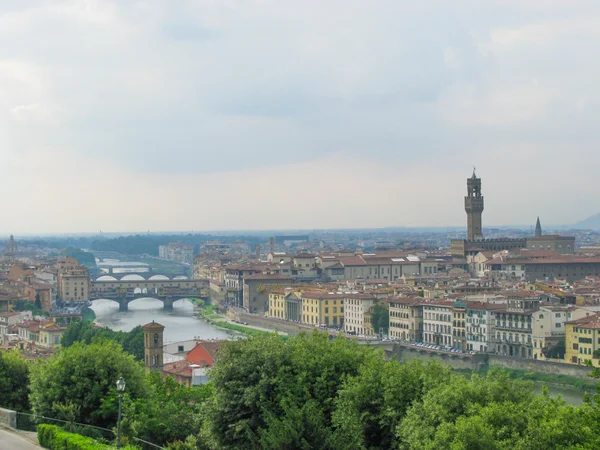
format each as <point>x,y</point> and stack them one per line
<point>474,208</point>
<point>538,227</point>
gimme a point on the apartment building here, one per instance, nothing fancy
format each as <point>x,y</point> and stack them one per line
<point>479,325</point>
<point>356,306</point>
<point>514,326</point>
<point>178,252</point>
<point>323,308</point>
<point>548,330</point>
<point>256,290</point>
<point>459,331</point>
<point>73,281</point>
<point>437,322</point>
<point>406,318</point>
<point>582,340</point>
<point>285,304</point>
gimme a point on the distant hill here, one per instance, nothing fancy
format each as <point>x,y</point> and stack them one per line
<point>591,223</point>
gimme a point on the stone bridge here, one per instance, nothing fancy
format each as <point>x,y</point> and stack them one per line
<point>148,275</point>
<point>168,291</point>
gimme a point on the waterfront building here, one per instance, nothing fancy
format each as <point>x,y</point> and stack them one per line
<point>256,290</point>
<point>321,308</point>
<point>73,281</point>
<point>479,324</point>
<point>356,306</point>
<point>582,340</point>
<point>459,331</point>
<point>437,322</point>
<point>548,330</point>
<point>178,252</point>
<point>513,325</point>
<point>285,304</point>
<point>406,318</point>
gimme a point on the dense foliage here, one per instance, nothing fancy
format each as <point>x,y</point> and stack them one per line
<point>380,319</point>
<point>82,379</point>
<point>85,331</point>
<point>308,392</point>
<point>86,258</point>
<point>56,438</point>
<point>14,384</point>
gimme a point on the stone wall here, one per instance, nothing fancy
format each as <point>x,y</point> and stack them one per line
<point>8,418</point>
<point>533,365</point>
<point>475,362</point>
<point>456,361</point>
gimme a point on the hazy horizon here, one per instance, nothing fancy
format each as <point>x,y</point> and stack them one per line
<point>264,114</point>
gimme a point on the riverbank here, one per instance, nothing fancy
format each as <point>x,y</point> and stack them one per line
<point>538,377</point>
<point>210,314</point>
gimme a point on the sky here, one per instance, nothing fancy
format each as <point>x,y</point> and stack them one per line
<point>280,114</point>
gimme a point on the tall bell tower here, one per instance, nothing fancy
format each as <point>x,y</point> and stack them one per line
<point>474,208</point>
<point>153,346</point>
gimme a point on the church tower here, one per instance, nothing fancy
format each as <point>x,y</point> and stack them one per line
<point>538,228</point>
<point>153,345</point>
<point>474,208</point>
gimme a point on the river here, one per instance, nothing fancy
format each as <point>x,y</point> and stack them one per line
<point>180,324</point>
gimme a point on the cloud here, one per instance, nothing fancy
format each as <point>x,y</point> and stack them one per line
<point>204,99</point>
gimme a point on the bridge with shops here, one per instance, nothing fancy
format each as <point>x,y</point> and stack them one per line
<point>168,291</point>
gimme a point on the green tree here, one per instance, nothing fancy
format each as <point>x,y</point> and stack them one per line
<point>380,318</point>
<point>371,405</point>
<point>85,376</point>
<point>170,412</point>
<point>14,381</point>
<point>266,388</point>
<point>38,301</point>
<point>85,331</point>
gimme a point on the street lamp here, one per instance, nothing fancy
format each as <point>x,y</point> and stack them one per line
<point>121,389</point>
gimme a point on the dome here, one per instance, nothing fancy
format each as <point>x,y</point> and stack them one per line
<point>133,278</point>
<point>158,277</point>
<point>106,278</point>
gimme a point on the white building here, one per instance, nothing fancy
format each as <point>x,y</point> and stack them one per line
<point>480,325</point>
<point>355,307</point>
<point>437,322</point>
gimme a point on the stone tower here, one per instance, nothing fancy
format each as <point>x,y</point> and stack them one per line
<point>153,345</point>
<point>538,228</point>
<point>474,208</point>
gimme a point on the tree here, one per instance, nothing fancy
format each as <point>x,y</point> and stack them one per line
<point>267,389</point>
<point>85,331</point>
<point>85,376</point>
<point>14,381</point>
<point>372,404</point>
<point>38,301</point>
<point>170,412</point>
<point>380,318</point>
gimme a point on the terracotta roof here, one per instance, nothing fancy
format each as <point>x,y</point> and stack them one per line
<point>266,276</point>
<point>588,322</point>
<point>153,326</point>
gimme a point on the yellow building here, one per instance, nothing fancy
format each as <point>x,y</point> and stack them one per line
<point>583,340</point>
<point>322,308</point>
<point>285,304</point>
<point>50,335</point>
<point>73,281</point>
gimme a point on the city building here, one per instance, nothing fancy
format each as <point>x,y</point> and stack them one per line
<point>323,308</point>
<point>153,346</point>
<point>437,322</point>
<point>285,304</point>
<point>582,340</point>
<point>73,281</point>
<point>480,320</point>
<point>256,290</point>
<point>406,318</point>
<point>459,331</point>
<point>475,242</point>
<point>178,252</point>
<point>513,325</point>
<point>356,306</point>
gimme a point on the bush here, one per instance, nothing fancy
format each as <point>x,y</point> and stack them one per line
<point>55,438</point>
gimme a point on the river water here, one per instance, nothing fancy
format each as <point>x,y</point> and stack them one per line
<point>180,324</point>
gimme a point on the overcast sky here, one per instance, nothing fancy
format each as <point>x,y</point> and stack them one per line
<point>230,114</point>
